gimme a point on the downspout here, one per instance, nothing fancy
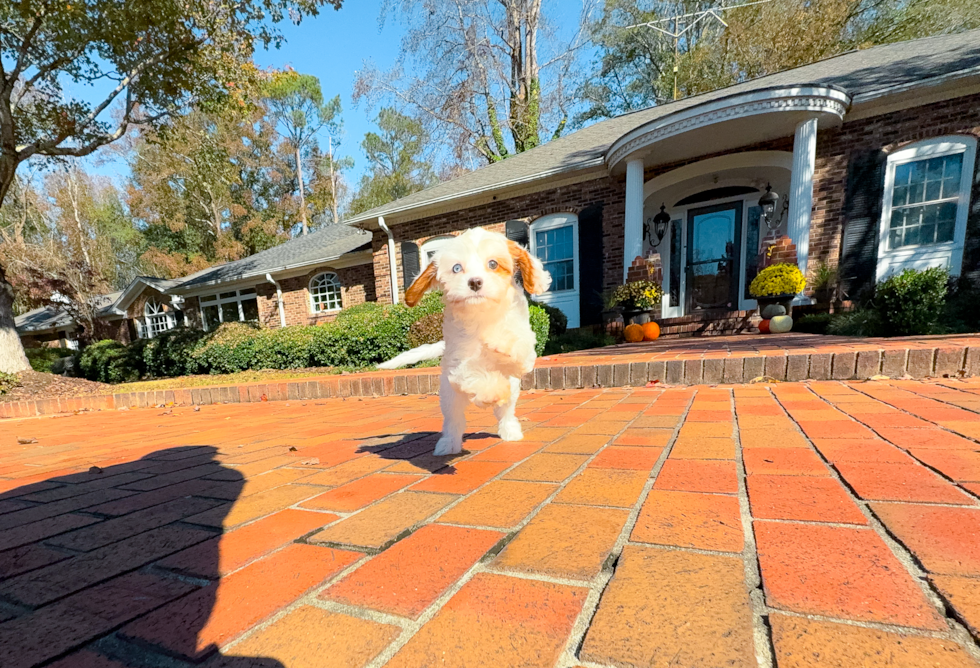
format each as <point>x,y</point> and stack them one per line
<point>282,312</point>
<point>392,264</point>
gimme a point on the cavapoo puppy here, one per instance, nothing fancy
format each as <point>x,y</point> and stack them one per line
<point>487,342</point>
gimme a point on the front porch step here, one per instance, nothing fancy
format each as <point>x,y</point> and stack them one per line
<point>709,323</point>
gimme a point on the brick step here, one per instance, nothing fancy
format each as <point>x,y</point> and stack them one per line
<point>935,358</point>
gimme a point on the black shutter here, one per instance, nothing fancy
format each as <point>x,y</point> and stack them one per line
<point>862,214</point>
<point>410,262</point>
<point>590,264</point>
<point>517,230</point>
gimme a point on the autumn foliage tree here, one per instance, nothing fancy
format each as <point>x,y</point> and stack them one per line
<point>158,57</point>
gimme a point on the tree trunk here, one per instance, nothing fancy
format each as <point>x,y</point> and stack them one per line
<point>333,182</point>
<point>302,196</point>
<point>73,196</point>
<point>12,357</point>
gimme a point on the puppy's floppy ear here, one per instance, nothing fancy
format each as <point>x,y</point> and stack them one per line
<point>536,279</point>
<point>425,282</point>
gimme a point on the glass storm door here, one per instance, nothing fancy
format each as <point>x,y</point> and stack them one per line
<point>714,241</point>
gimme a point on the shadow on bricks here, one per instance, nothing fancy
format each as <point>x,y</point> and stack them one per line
<point>416,449</point>
<point>119,566</point>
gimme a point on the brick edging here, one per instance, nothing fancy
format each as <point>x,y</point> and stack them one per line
<point>916,362</point>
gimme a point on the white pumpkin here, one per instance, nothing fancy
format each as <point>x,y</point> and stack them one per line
<point>780,324</point>
<point>772,310</point>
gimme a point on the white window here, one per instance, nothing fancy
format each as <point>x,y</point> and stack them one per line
<point>927,197</point>
<point>231,306</point>
<point>554,240</point>
<point>431,247</point>
<point>325,293</point>
<point>155,320</point>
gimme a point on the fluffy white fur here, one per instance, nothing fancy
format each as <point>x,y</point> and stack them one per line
<point>488,342</point>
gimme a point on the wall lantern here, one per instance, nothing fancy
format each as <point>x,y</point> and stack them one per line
<point>768,202</point>
<point>659,223</point>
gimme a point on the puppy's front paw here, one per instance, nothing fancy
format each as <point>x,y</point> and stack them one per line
<point>510,430</point>
<point>447,446</point>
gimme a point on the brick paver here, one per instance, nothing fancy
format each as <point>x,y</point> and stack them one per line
<point>773,525</point>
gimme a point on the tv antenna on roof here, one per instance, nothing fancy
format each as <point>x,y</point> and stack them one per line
<point>682,23</point>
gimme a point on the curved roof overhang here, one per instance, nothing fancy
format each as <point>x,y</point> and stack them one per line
<point>728,123</point>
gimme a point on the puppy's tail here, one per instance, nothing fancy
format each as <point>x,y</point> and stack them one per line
<point>429,351</point>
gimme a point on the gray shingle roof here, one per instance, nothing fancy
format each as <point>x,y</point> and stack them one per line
<point>323,245</point>
<point>856,73</point>
<point>40,319</point>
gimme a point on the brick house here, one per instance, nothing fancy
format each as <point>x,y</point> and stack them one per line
<point>872,155</point>
<point>304,281</point>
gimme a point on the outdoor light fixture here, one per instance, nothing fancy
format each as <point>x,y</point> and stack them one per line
<point>768,203</point>
<point>659,222</point>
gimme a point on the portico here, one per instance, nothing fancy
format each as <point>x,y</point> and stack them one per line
<point>710,247</point>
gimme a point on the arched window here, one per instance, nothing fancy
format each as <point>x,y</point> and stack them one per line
<point>925,207</point>
<point>431,247</point>
<point>155,320</point>
<point>325,292</point>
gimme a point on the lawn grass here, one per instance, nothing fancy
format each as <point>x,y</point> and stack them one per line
<point>260,376</point>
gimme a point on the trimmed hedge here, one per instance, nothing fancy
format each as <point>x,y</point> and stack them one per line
<point>360,337</point>
<point>44,359</point>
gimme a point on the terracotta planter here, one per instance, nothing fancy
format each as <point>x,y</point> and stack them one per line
<point>612,321</point>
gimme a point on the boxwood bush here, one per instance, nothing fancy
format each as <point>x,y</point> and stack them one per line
<point>360,337</point>
<point>912,302</point>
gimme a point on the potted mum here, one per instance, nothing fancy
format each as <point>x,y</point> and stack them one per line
<point>777,284</point>
<point>637,299</point>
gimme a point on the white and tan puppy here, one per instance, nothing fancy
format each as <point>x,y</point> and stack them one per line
<point>487,342</point>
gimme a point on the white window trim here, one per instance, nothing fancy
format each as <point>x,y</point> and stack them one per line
<point>430,246</point>
<point>947,254</point>
<point>551,222</point>
<point>216,300</point>
<point>153,311</point>
<point>340,293</point>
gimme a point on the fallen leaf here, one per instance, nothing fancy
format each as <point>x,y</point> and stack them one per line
<point>292,448</point>
<point>95,469</point>
<point>652,383</point>
<point>263,398</point>
<point>197,409</point>
<point>310,462</point>
<point>879,377</point>
<point>764,379</point>
<point>26,441</point>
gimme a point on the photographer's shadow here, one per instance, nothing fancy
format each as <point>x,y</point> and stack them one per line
<point>86,566</point>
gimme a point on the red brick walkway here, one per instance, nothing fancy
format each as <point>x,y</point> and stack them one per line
<point>818,524</point>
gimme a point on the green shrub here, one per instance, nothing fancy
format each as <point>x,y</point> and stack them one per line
<point>169,353</point>
<point>860,322</point>
<point>540,323</point>
<point>912,302</point>
<point>8,381</point>
<point>427,329</point>
<point>557,318</point>
<point>109,361</point>
<point>812,323</point>
<point>579,339</point>
<point>42,359</point>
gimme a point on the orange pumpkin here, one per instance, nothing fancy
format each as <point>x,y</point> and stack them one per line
<point>651,331</point>
<point>633,333</point>
<point>764,327</point>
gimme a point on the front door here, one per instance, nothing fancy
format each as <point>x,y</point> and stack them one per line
<point>713,245</point>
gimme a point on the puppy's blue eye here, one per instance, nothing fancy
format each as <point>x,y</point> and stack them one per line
<point>457,268</point>
<point>492,264</point>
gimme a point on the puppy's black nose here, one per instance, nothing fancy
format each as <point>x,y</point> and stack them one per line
<point>476,284</point>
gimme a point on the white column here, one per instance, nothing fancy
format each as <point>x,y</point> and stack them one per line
<point>633,229</point>
<point>801,189</point>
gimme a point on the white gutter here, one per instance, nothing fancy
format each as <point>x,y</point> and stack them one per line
<point>392,264</point>
<point>282,312</point>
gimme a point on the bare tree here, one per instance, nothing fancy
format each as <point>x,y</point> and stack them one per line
<point>491,73</point>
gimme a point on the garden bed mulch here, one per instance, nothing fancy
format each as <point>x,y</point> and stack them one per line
<point>36,385</point>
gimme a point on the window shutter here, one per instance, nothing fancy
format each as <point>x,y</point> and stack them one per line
<point>590,264</point>
<point>410,262</point>
<point>517,231</point>
<point>862,214</point>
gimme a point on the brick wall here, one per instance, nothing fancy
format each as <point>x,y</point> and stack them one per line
<point>357,286</point>
<point>610,193</point>
<point>889,132</point>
